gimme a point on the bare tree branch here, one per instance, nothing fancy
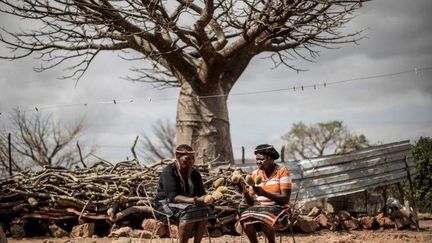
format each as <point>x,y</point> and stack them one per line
<point>162,144</point>
<point>39,142</point>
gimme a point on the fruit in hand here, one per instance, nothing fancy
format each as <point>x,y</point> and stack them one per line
<point>249,180</point>
<point>258,180</point>
<point>208,199</point>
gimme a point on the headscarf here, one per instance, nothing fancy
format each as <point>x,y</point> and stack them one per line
<point>182,150</point>
<point>267,149</point>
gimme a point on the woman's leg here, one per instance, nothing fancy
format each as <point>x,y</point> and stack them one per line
<point>200,229</point>
<point>184,231</point>
<point>269,233</point>
<point>250,231</point>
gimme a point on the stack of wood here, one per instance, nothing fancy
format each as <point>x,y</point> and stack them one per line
<point>102,192</point>
<point>114,194</point>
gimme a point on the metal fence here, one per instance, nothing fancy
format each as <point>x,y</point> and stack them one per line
<point>343,174</point>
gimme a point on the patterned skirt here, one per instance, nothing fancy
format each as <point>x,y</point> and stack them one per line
<point>183,213</point>
<point>275,217</point>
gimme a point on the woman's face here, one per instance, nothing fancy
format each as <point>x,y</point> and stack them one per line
<point>263,161</point>
<point>186,161</point>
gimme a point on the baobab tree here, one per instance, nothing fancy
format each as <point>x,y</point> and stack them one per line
<point>200,46</point>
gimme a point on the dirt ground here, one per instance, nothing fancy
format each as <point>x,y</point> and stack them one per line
<point>377,236</point>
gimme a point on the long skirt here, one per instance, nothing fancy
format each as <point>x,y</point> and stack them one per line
<point>275,217</point>
<point>183,213</point>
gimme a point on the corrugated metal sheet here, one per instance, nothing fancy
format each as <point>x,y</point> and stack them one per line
<point>344,174</point>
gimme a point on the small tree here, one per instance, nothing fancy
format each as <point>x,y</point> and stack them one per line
<point>165,144</point>
<point>422,182</point>
<point>38,142</point>
<point>321,139</point>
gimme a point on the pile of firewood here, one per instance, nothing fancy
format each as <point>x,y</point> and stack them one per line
<point>102,192</point>
<point>114,194</point>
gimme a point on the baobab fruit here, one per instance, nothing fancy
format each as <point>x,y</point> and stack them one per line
<point>236,172</point>
<point>249,180</point>
<point>222,189</point>
<point>258,180</point>
<point>217,195</point>
<point>208,199</point>
<point>218,182</point>
<point>236,178</point>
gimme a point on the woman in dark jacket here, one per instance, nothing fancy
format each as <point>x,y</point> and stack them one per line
<point>181,196</point>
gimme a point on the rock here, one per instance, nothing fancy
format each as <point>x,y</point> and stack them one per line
<point>368,222</point>
<point>57,232</point>
<point>121,232</point>
<point>173,231</point>
<point>122,240</point>
<point>314,212</point>
<point>384,222</point>
<point>3,238</point>
<point>82,230</point>
<point>305,224</point>
<point>142,234</point>
<point>17,231</point>
<point>401,218</point>
<point>323,221</point>
<point>156,226</point>
<point>343,215</point>
<point>350,224</point>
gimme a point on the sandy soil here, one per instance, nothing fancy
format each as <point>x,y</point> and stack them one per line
<point>378,236</point>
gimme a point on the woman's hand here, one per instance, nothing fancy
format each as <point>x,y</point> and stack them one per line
<point>259,191</point>
<point>241,187</point>
<point>200,200</point>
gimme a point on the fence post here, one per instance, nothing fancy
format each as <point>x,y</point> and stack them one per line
<point>10,154</point>
<point>412,193</point>
<point>243,160</point>
<point>283,153</point>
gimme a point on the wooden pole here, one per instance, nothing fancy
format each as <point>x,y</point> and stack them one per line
<point>80,154</point>
<point>385,200</point>
<point>412,193</point>
<point>366,201</point>
<point>283,154</point>
<point>133,148</point>
<point>10,154</point>
<point>243,155</point>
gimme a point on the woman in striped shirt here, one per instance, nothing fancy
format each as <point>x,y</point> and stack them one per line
<point>268,198</point>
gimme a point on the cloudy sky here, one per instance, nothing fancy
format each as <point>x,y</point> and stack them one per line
<point>386,109</point>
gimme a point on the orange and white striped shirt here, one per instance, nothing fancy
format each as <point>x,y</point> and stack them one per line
<point>279,180</point>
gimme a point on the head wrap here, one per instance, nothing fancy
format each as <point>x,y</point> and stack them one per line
<point>267,149</point>
<point>184,149</point>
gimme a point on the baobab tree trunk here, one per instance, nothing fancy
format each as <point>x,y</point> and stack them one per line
<point>203,123</point>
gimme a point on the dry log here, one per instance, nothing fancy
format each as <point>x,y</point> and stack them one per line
<point>132,210</point>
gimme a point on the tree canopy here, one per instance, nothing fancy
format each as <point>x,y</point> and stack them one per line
<point>320,139</point>
<point>422,153</point>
